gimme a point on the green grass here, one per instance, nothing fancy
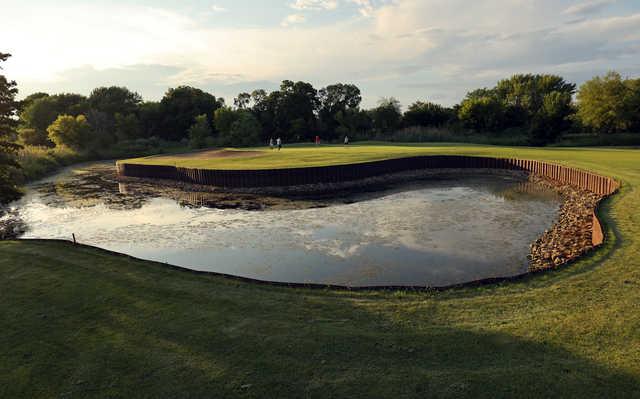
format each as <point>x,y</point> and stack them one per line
<point>299,156</point>
<point>306,156</point>
<point>80,322</point>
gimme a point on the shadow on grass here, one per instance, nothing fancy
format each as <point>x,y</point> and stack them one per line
<point>95,325</point>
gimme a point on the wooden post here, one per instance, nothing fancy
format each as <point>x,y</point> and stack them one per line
<point>73,235</point>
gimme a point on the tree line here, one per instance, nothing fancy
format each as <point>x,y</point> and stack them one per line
<point>540,107</point>
<point>8,149</point>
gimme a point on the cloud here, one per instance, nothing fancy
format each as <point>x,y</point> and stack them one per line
<point>293,19</point>
<point>366,8</point>
<point>152,80</point>
<point>315,5</point>
<point>411,49</point>
<point>587,7</point>
<point>218,8</point>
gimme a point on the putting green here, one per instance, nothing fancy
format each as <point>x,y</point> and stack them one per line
<point>298,156</point>
<point>308,156</point>
<point>80,322</point>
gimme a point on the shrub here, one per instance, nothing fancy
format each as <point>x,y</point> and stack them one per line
<point>30,136</point>
<point>38,161</point>
<point>69,131</point>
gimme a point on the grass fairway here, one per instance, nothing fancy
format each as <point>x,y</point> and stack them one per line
<point>80,322</point>
<point>300,156</point>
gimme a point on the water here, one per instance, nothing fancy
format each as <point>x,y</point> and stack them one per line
<point>428,233</point>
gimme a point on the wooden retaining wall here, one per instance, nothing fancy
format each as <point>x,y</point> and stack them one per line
<point>341,173</point>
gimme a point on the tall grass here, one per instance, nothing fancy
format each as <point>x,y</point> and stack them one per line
<point>592,139</point>
<point>38,161</point>
<point>509,137</point>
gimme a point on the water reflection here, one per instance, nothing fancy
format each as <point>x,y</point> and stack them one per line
<point>434,232</point>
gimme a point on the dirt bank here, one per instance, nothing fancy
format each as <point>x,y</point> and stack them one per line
<point>11,226</point>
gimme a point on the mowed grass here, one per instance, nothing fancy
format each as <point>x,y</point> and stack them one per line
<point>80,322</point>
<point>297,156</point>
<point>300,156</point>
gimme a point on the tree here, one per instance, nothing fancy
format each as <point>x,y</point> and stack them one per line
<point>113,100</point>
<point>40,112</point>
<point>103,128</point>
<point>260,110</point>
<point>528,91</point>
<point>539,104</point>
<point>127,126</point>
<point>112,114</point>
<point>295,110</point>
<point>151,119</point>
<point>289,113</point>
<point>73,132</point>
<point>481,93</point>
<point>524,96</point>
<point>353,121</point>
<point>633,104</point>
<point>30,99</point>
<point>223,118</point>
<point>245,131</point>
<point>8,90</point>
<point>609,104</point>
<point>237,127</point>
<point>242,101</point>
<point>265,108</point>
<point>426,114</point>
<point>552,118</point>
<point>387,115</point>
<point>199,132</point>
<point>482,113</point>
<point>180,106</point>
<point>30,136</point>
<point>258,97</point>
<point>334,99</point>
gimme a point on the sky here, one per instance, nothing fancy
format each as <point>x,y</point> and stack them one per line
<point>428,50</point>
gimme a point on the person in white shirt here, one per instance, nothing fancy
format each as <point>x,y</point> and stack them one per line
<point>346,140</point>
<point>271,142</point>
<point>279,143</point>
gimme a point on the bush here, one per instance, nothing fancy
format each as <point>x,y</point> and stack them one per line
<point>38,161</point>
<point>69,131</point>
<point>29,136</point>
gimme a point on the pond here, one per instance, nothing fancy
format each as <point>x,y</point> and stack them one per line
<point>433,232</point>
